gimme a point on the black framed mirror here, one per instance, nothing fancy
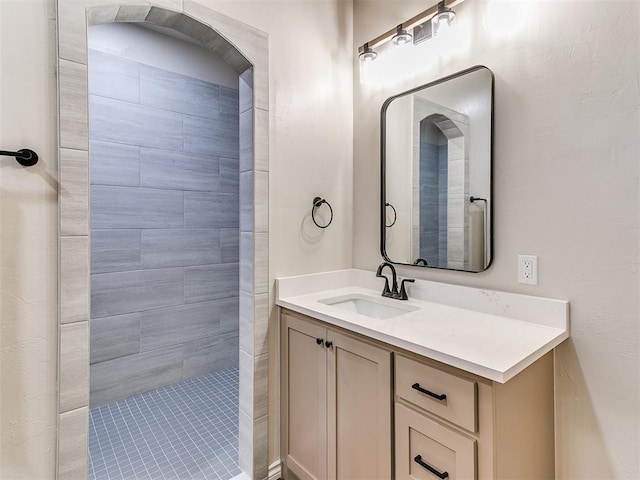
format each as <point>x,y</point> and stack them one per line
<point>436,173</point>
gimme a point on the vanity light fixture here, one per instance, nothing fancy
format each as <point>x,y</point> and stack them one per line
<point>367,54</point>
<point>443,19</point>
<point>402,37</point>
<point>435,18</point>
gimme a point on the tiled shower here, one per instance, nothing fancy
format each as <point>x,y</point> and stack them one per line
<point>164,176</point>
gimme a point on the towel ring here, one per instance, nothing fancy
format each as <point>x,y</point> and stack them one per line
<point>395,214</point>
<point>317,202</point>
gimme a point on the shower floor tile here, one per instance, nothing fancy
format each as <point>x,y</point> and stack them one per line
<point>180,432</point>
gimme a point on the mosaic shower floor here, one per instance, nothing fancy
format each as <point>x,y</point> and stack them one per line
<point>184,431</point>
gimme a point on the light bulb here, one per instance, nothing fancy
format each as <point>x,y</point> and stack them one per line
<point>368,54</point>
<point>442,20</point>
<point>402,37</point>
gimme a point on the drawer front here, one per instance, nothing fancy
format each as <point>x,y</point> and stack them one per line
<point>427,450</point>
<point>448,396</point>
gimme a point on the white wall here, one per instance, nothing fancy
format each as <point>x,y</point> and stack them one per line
<point>151,47</point>
<point>566,189</point>
<point>28,245</point>
<point>310,154</point>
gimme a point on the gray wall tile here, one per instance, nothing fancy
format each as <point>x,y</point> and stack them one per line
<point>261,324</point>
<point>229,314</point>
<point>178,93</point>
<point>113,77</point>
<point>74,192</point>
<point>261,208</point>
<point>211,282</point>
<point>128,292</point>
<point>114,337</point>
<point>229,175</point>
<point>115,250</point>
<point>178,171</point>
<point>142,246</point>
<point>246,143</point>
<point>211,137</point>
<point>247,263</point>
<point>245,90</point>
<point>261,386</point>
<point>246,201</point>
<point>126,376</point>
<point>261,141</point>
<point>114,163</point>
<point>72,444</point>
<point>229,245</point>
<point>179,248</point>
<point>210,354</point>
<point>74,273</point>
<point>245,386</point>
<point>122,122</point>
<point>74,366</point>
<point>72,111</point>
<point>245,320</point>
<point>122,207</point>
<point>209,210</point>
<point>229,99</point>
<point>185,323</point>
<point>260,263</point>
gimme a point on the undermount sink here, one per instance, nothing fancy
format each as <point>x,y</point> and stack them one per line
<point>368,306</point>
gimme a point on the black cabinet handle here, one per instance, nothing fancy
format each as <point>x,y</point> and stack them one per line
<point>438,474</point>
<point>319,341</point>
<point>328,344</point>
<point>416,386</point>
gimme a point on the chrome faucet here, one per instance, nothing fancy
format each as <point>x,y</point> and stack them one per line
<point>393,291</point>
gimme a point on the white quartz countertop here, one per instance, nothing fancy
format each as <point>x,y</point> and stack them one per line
<point>492,334</point>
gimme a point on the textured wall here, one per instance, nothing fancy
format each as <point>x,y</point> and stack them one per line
<point>28,245</point>
<point>566,188</point>
<point>164,226</point>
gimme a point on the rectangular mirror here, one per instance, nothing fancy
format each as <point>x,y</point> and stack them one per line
<point>436,173</point>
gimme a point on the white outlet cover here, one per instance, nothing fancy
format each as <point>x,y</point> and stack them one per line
<point>528,269</point>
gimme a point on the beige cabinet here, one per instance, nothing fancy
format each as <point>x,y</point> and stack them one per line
<point>339,391</point>
<point>453,425</point>
<point>336,403</point>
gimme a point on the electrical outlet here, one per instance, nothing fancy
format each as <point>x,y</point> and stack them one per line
<point>528,269</point>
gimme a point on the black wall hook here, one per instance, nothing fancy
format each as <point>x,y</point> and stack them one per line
<point>25,157</point>
<point>317,202</point>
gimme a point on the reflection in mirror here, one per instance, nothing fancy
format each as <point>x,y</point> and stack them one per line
<point>436,167</point>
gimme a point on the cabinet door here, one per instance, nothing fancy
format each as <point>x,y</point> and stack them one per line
<point>304,398</point>
<point>359,410</point>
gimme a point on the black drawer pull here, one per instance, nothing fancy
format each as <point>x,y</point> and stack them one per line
<point>419,461</point>
<point>319,341</point>
<point>416,386</point>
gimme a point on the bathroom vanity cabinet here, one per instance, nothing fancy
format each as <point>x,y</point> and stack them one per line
<point>336,401</point>
<point>358,408</point>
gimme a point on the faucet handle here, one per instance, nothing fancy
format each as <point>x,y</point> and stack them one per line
<point>403,292</point>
